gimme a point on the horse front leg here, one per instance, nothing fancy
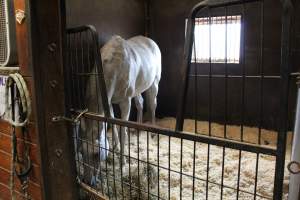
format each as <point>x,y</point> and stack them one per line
<point>125,111</point>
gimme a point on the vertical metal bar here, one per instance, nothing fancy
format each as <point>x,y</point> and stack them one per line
<point>129,163</point>
<point>261,72</point>
<point>158,185</point>
<point>226,105</point>
<point>196,109</point>
<point>138,160</point>
<point>256,174</point>
<point>285,80</point>
<point>186,65</point>
<point>243,47</point>
<point>226,77</point>
<point>181,147</point>
<point>100,150</point>
<point>210,77</point>
<point>106,166</point>
<point>195,84</point>
<point>169,168</point>
<point>194,170</point>
<point>243,72</point>
<point>210,107</point>
<point>239,174</point>
<point>148,166</point>
<point>121,163</point>
<point>90,40</point>
<point>98,63</point>
<point>113,163</point>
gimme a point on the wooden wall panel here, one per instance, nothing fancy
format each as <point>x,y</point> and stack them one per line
<point>24,63</point>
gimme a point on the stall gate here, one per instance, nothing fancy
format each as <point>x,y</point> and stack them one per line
<point>166,164</point>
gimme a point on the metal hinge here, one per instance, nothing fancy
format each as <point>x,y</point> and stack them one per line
<point>72,120</point>
<point>294,167</point>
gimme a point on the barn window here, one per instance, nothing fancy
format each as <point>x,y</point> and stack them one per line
<point>217,38</point>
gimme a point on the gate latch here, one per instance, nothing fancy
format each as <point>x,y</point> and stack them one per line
<point>72,120</point>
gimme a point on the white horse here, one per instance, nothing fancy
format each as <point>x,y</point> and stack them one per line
<point>131,67</point>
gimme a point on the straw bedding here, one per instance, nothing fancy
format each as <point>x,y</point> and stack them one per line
<point>158,181</point>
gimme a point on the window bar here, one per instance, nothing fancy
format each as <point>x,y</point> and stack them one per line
<point>261,73</point>
<point>210,107</point>
<point>226,104</point>
<point>158,185</point>
<point>129,163</point>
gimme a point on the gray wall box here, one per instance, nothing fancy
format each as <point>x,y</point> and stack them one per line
<point>8,50</point>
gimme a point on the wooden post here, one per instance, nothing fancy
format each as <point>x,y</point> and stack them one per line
<point>47,30</point>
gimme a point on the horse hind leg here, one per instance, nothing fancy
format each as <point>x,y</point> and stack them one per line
<point>139,103</point>
<point>125,111</point>
<point>151,101</point>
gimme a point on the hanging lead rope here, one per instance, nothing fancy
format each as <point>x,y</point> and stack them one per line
<point>17,94</point>
<point>24,96</point>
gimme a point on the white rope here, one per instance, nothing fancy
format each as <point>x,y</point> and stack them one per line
<point>26,107</point>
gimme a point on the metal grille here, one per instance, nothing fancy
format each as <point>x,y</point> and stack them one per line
<point>3,32</point>
<point>166,164</point>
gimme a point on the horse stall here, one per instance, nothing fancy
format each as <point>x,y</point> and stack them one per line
<point>149,99</point>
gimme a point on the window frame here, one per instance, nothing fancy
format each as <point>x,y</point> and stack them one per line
<point>224,60</point>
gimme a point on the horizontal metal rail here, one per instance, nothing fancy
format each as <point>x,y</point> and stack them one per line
<point>233,76</point>
<point>221,142</point>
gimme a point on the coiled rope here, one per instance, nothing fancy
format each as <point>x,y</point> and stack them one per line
<point>25,102</point>
<point>24,96</point>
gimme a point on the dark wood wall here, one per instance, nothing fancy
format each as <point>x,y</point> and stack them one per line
<point>36,181</point>
<point>168,27</point>
<point>110,17</point>
<point>127,18</point>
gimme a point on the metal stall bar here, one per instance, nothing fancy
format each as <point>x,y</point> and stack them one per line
<point>285,83</point>
<point>97,59</point>
<point>253,148</point>
<point>188,48</point>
